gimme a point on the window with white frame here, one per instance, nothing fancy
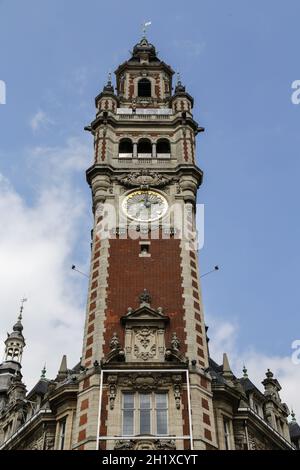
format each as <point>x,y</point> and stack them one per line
<point>145,413</point>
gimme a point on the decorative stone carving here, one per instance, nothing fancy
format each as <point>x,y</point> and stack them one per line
<point>178,188</point>
<point>146,444</point>
<point>112,382</point>
<point>144,178</point>
<point>173,352</point>
<point>124,445</point>
<point>114,342</point>
<point>175,343</point>
<point>165,445</point>
<point>145,297</point>
<point>116,353</point>
<point>49,445</point>
<point>145,381</point>
<point>177,382</point>
<point>144,347</point>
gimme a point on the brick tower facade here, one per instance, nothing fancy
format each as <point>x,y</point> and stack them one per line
<point>145,359</point>
<point>145,379</point>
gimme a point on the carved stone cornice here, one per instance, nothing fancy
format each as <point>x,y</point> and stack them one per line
<point>189,170</point>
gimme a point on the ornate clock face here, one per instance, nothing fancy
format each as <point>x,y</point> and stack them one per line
<point>145,206</point>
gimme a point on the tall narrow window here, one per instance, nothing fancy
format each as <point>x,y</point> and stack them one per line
<point>62,434</point>
<point>161,413</point>
<point>226,433</point>
<point>128,414</point>
<point>144,148</point>
<point>144,88</point>
<point>145,413</point>
<point>125,148</point>
<point>163,149</point>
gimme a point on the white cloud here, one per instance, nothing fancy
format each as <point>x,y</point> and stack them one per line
<point>37,248</point>
<point>223,339</point>
<point>40,120</point>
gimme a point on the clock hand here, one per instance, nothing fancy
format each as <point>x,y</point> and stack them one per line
<point>147,203</point>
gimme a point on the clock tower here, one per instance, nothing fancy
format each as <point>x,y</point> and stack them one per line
<point>144,381</point>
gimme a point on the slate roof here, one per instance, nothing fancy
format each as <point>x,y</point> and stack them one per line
<point>40,388</point>
<point>216,372</point>
<point>249,386</point>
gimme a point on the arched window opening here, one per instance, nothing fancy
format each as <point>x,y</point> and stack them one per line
<point>163,149</point>
<point>16,354</point>
<point>125,148</point>
<point>144,148</point>
<point>10,353</point>
<point>144,88</point>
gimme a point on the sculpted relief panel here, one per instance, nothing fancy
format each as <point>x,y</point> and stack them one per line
<point>144,343</point>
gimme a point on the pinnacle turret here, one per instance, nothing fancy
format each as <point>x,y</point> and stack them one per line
<point>15,342</point>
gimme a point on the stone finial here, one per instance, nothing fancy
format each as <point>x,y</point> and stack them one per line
<point>245,372</point>
<point>179,87</point>
<point>114,342</point>
<point>43,373</point>
<point>226,366</point>
<point>271,385</point>
<point>145,298</point>
<point>227,372</point>
<point>175,343</point>
<point>109,86</point>
<point>293,416</point>
<point>63,369</point>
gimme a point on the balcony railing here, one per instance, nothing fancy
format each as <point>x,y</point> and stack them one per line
<point>125,155</point>
<point>144,155</point>
<point>163,155</point>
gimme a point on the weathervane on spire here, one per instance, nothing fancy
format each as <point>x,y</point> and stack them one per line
<point>22,307</point>
<point>145,25</point>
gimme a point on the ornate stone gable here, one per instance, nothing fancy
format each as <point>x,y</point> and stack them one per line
<point>145,334</point>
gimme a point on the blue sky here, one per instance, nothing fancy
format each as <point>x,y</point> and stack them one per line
<point>238,59</point>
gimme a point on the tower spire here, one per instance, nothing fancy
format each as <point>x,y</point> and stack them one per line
<point>15,342</point>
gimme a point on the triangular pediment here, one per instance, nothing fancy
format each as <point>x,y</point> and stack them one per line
<point>144,314</point>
